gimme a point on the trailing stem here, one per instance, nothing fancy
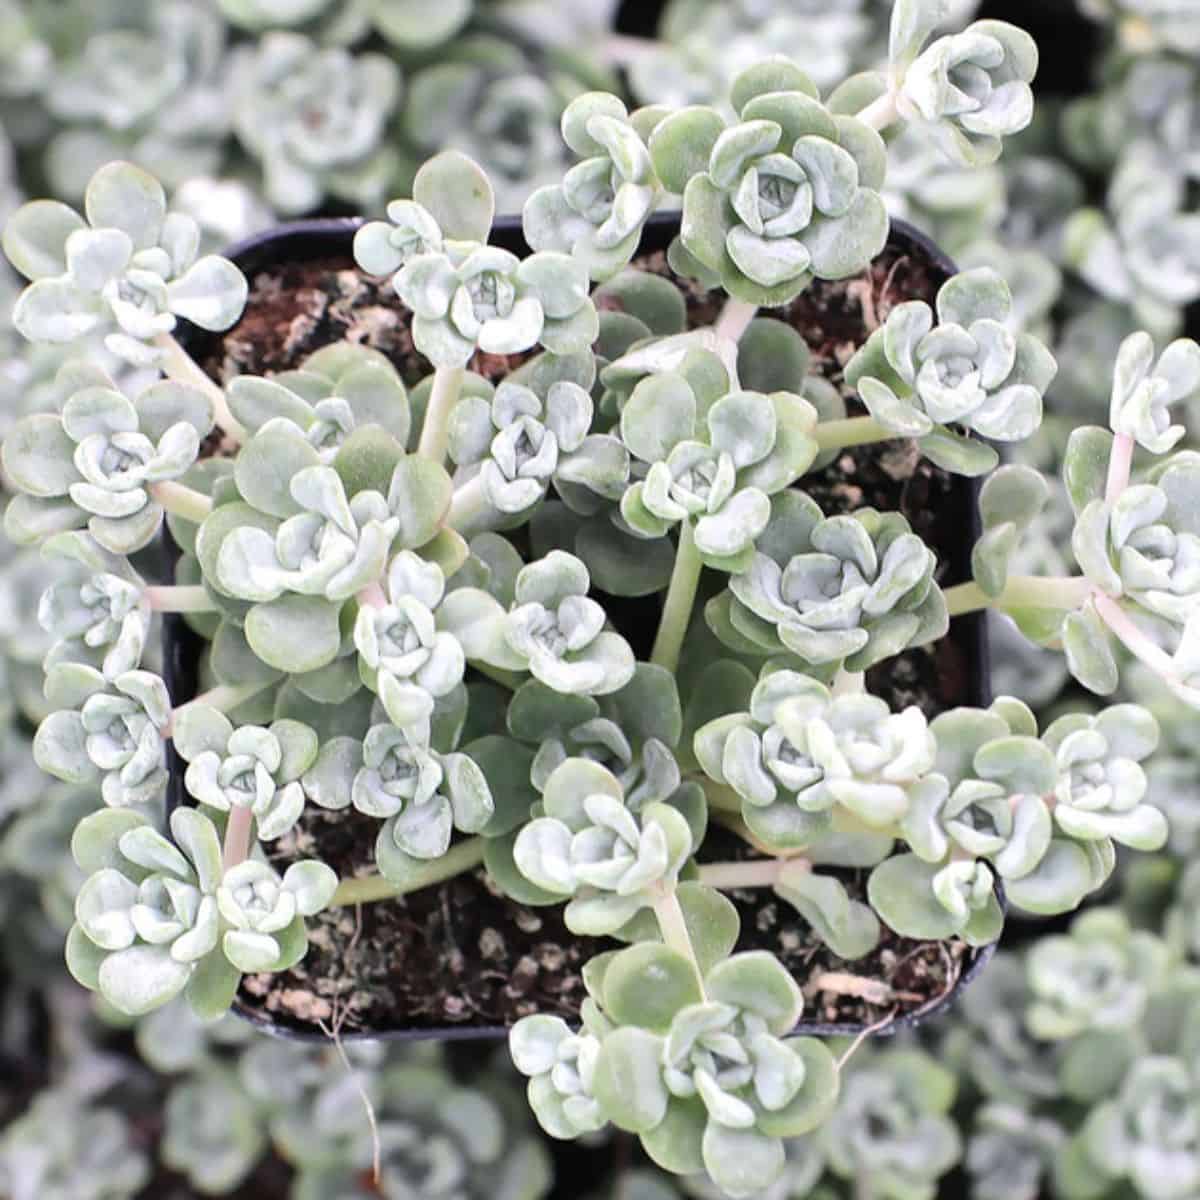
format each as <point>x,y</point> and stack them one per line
<point>757,874</point>
<point>734,319</point>
<point>1120,463</point>
<point>881,113</point>
<point>224,697</point>
<point>468,504</point>
<point>435,430</point>
<point>236,848</point>
<point>1021,591</point>
<point>181,500</point>
<point>681,594</point>
<point>669,915</point>
<point>853,431</point>
<point>178,364</point>
<point>1132,638</point>
<point>193,598</point>
<point>366,889</point>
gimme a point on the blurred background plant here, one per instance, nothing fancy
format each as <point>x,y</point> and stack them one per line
<point>1073,1069</point>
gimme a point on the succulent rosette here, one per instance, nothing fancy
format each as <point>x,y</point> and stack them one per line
<point>598,211</point>
<point>402,654</point>
<point>790,191</point>
<point>846,590</point>
<point>99,461</point>
<point>799,752</point>
<point>961,366</point>
<point>973,89</point>
<point>130,269</point>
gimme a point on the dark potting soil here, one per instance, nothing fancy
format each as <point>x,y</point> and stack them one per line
<point>459,956</point>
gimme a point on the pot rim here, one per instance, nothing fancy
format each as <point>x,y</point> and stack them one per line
<point>255,253</point>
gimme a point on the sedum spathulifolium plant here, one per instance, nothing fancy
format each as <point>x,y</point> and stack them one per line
<point>412,584</point>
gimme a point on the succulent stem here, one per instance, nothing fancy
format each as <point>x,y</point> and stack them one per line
<point>236,847</point>
<point>671,923</point>
<point>1132,638</point>
<point>681,593</point>
<point>223,698</point>
<point>1021,591</point>
<point>178,364</point>
<point>181,500</point>
<point>881,113</point>
<point>447,387</point>
<point>853,431</point>
<point>1120,463</point>
<point>734,319</point>
<point>762,873</point>
<point>468,505</point>
<point>180,599</point>
<point>365,889</point>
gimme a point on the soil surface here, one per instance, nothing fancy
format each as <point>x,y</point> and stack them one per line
<point>459,958</point>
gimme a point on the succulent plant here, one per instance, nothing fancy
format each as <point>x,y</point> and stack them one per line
<point>63,1148</point>
<point>523,442</point>
<point>404,587</point>
<point>130,268</point>
<point>152,90</point>
<point>597,213</point>
<point>103,462</point>
<point>973,89</point>
<point>213,1133</point>
<point>714,472</point>
<point>1097,977</point>
<point>1143,249</point>
<point>315,119</point>
<point>890,1130</point>
<point>917,375</point>
<point>591,847</point>
<point>493,100</point>
<point>248,767</point>
<point>157,919</point>
<point>847,590</point>
<point>790,191</point>
<point>332,394</point>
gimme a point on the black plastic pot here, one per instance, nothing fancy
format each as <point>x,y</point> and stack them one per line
<point>332,237</point>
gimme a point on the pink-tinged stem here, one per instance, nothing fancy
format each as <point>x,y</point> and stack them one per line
<point>372,596</point>
<point>1133,639</point>
<point>189,598</point>
<point>1120,463</point>
<point>237,837</point>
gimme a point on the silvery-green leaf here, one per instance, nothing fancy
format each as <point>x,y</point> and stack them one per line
<point>312,883</point>
<point>56,310</point>
<point>211,293</point>
<point>96,256</point>
<point>961,455</point>
<point>458,194</point>
<point>849,928</point>
<point>294,633</point>
<point>419,496</point>
<point>1057,884</point>
<point>141,978</point>
<point>900,890</point>
<point>59,748</point>
<point>682,144</point>
<point>843,245</point>
<point>35,237</point>
<point>742,1162</point>
<point>894,414</point>
<point>122,196</point>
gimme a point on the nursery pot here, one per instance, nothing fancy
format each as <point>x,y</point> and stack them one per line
<point>954,510</point>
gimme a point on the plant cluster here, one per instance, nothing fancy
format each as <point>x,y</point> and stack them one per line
<point>401,584</point>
